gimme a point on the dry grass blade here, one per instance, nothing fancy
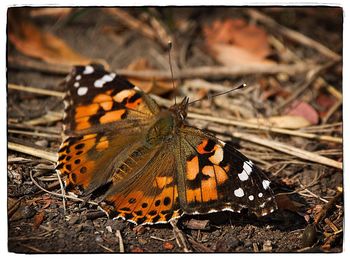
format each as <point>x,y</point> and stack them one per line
<point>260,127</point>
<point>13,86</point>
<point>45,135</point>
<point>51,116</point>
<point>44,154</point>
<point>120,239</point>
<point>303,154</point>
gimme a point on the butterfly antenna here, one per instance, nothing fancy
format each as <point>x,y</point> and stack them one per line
<point>242,85</point>
<point>171,67</point>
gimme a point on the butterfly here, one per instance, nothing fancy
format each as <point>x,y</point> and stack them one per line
<point>151,166</point>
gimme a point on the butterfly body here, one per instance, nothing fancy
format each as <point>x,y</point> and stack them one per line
<point>156,165</point>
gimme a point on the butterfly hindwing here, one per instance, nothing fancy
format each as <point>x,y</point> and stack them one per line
<point>150,193</point>
<point>218,177</point>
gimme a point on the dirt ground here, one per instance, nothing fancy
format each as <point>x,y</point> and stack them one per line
<point>310,215</point>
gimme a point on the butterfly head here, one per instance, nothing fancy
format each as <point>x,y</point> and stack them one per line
<point>180,109</point>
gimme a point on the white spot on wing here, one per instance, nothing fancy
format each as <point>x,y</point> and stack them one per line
<point>260,195</point>
<point>247,169</point>
<point>76,84</point>
<point>88,69</point>
<point>106,78</point>
<point>251,197</point>
<point>78,77</point>
<point>265,183</point>
<point>239,193</point>
<point>82,91</point>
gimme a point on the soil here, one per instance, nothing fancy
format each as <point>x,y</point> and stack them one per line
<point>40,223</point>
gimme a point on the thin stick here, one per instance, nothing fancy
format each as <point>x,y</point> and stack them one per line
<point>120,240</point>
<point>44,154</point>
<point>303,154</point>
<point>13,86</point>
<point>291,34</point>
<point>257,126</point>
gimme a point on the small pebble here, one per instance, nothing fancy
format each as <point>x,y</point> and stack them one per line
<point>216,233</point>
<point>168,245</point>
<point>267,246</point>
<point>42,143</point>
<point>73,220</point>
<point>142,241</point>
<point>109,229</point>
<point>81,237</point>
<point>98,239</point>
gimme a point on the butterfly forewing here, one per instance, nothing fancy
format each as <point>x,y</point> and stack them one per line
<point>105,118</point>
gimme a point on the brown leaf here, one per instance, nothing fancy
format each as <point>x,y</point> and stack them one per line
<point>33,42</point>
<point>284,202</point>
<point>137,250</point>
<point>303,109</point>
<point>52,12</point>
<point>149,85</point>
<point>233,42</point>
<point>38,219</point>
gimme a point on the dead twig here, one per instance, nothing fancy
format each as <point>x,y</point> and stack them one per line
<point>219,71</point>
<point>292,35</point>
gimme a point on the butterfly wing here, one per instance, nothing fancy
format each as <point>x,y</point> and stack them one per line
<point>213,176</point>
<point>149,194</point>
<point>105,117</point>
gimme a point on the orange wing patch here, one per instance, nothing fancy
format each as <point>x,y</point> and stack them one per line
<point>74,161</point>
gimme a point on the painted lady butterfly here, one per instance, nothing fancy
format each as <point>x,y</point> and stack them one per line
<point>152,166</point>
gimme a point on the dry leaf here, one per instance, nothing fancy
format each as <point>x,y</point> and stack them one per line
<point>233,42</point>
<point>285,122</point>
<point>31,41</point>
<point>303,109</point>
<point>38,219</point>
<point>149,85</point>
<point>49,11</point>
